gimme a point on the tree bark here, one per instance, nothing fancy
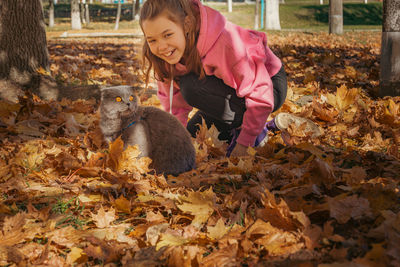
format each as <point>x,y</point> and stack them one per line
<point>272,21</point>
<point>24,59</point>
<point>136,9</point>
<point>82,11</point>
<point>75,15</point>
<point>87,13</point>
<point>336,16</point>
<point>118,15</point>
<point>229,4</point>
<point>51,13</point>
<point>390,49</point>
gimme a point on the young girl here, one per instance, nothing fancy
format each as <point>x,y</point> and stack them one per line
<point>227,72</point>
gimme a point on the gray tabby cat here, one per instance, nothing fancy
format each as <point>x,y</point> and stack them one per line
<point>159,135</point>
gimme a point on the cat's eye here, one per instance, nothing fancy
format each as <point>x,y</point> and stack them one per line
<point>118,99</point>
<point>131,98</point>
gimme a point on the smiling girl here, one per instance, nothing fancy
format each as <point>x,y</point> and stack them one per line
<point>227,72</point>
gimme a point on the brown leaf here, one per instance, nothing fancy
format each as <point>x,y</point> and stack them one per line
<point>13,230</point>
<point>115,152</point>
<point>349,207</point>
<point>99,249</point>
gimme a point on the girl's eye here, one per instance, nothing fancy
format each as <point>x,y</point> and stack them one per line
<point>168,35</point>
<point>118,99</point>
<point>151,41</point>
<point>131,98</point>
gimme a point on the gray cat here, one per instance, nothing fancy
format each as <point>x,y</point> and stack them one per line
<point>159,135</point>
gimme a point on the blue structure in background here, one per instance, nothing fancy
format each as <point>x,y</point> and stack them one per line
<point>262,14</point>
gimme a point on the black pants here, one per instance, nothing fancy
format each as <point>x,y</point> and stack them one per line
<point>218,103</point>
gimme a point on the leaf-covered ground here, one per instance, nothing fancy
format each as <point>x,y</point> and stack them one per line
<point>67,198</point>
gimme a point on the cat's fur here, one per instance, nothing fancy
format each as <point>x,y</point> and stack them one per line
<point>159,135</point>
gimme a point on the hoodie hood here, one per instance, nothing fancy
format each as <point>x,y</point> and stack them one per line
<point>212,25</point>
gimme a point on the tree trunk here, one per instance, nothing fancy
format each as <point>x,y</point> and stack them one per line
<point>390,49</point>
<point>75,15</point>
<point>51,13</point>
<point>136,9</point>
<point>24,57</point>
<point>118,15</point>
<point>336,16</point>
<point>87,13</point>
<point>257,16</point>
<point>229,3</point>
<point>82,11</point>
<point>272,15</point>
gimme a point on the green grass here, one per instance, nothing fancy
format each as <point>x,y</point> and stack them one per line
<point>306,15</point>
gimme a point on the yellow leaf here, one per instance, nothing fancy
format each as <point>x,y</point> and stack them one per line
<point>123,204</point>
<point>76,255</point>
<point>90,198</point>
<point>115,150</point>
<point>217,231</point>
<point>129,161</point>
<point>171,240</point>
<point>251,151</point>
<point>345,97</point>
<point>42,71</point>
<point>199,204</point>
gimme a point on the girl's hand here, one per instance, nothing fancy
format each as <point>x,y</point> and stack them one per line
<point>239,150</point>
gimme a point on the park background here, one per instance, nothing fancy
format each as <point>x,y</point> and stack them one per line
<point>69,199</point>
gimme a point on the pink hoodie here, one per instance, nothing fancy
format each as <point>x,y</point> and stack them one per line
<point>242,59</point>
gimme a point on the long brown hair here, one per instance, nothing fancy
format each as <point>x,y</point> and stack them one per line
<point>176,11</point>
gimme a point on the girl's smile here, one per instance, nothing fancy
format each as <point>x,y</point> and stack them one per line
<point>165,38</point>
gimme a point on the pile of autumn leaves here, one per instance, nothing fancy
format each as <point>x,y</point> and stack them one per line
<point>68,198</point>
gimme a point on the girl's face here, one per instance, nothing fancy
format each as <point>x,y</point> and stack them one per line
<point>165,38</point>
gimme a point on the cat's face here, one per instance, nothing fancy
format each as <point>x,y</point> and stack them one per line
<point>119,99</point>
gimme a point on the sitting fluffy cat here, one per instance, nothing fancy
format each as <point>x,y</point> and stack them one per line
<point>159,135</point>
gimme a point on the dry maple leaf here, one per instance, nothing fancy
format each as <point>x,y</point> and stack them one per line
<point>103,219</point>
<point>222,257</point>
<point>12,232</point>
<point>129,161</point>
<point>199,204</point>
<point>218,231</point>
<point>349,207</point>
<point>76,255</point>
<point>171,240</point>
<point>123,204</point>
<point>280,216</point>
<point>345,97</point>
<point>115,151</point>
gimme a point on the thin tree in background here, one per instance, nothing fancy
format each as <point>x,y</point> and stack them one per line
<point>135,9</point>
<point>118,15</point>
<point>229,4</point>
<point>87,13</point>
<point>82,11</point>
<point>51,13</point>
<point>390,50</point>
<point>257,16</point>
<point>336,16</point>
<point>75,15</point>
<point>272,21</point>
